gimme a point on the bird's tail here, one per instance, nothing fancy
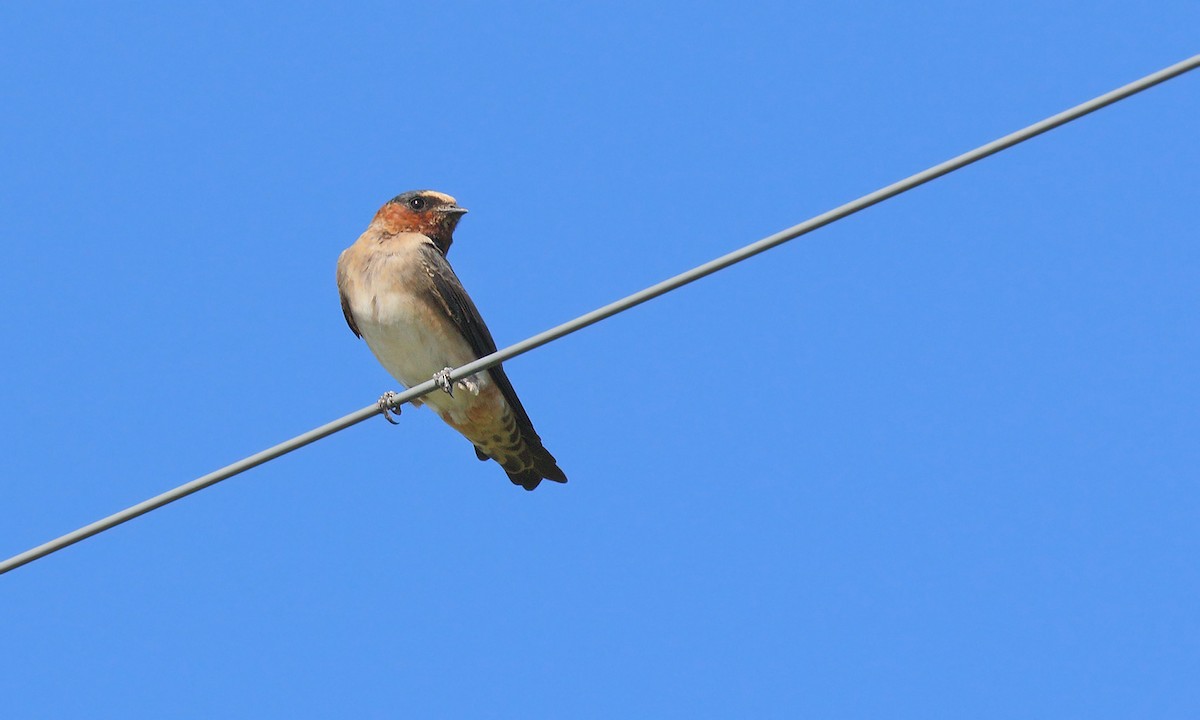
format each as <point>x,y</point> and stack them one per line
<point>519,450</point>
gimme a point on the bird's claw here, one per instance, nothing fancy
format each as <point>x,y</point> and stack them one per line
<point>387,406</point>
<point>442,378</point>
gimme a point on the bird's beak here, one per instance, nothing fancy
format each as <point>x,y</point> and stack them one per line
<point>453,210</point>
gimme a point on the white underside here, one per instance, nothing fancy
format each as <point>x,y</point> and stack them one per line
<point>395,325</point>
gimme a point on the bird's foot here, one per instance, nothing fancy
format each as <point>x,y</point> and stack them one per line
<point>442,378</point>
<point>469,384</point>
<point>388,405</point>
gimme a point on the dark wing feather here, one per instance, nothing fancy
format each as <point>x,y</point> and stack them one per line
<point>345,300</point>
<point>349,317</point>
<point>450,295</point>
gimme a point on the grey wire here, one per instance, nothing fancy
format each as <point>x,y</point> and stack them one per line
<point>398,399</point>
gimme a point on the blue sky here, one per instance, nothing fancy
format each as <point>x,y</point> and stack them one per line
<point>937,460</point>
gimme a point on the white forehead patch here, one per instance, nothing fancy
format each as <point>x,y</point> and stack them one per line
<point>441,197</point>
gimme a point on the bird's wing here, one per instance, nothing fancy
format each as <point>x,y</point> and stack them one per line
<point>342,281</point>
<point>447,294</point>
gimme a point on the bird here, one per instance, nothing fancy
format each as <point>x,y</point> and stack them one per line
<point>401,296</point>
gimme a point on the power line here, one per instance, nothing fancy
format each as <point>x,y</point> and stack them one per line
<point>393,401</point>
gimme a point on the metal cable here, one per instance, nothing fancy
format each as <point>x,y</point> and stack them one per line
<point>397,399</point>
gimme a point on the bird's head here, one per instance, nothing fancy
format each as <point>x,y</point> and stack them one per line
<point>430,213</point>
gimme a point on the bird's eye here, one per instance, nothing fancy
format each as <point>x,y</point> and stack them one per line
<point>417,203</point>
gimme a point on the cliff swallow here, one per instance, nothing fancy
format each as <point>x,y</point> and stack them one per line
<point>400,295</point>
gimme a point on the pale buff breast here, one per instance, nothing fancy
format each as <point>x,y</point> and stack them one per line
<point>386,286</point>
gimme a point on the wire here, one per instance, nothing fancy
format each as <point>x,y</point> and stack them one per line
<point>395,400</point>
